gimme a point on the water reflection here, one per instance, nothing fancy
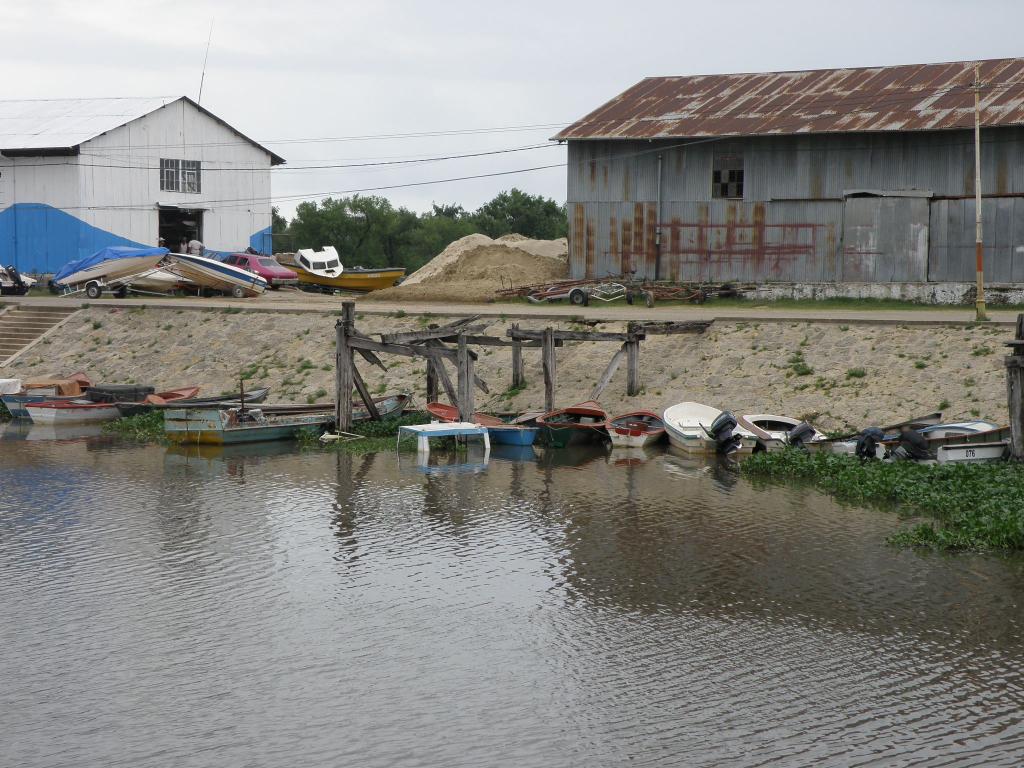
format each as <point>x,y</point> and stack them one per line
<point>551,608</point>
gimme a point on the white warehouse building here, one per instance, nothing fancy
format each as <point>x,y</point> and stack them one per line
<point>78,175</point>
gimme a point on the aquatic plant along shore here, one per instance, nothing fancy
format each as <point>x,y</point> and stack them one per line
<point>972,506</point>
<point>838,376</point>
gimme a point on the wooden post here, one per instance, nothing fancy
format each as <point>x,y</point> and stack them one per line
<point>606,377</point>
<point>364,393</point>
<point>548,361</point>
<point>431,381</point>
<point>518,374</point>
<point>1015,392</point>
<point>465,384</point>
<point>344,365</point>
<point>632,361</point>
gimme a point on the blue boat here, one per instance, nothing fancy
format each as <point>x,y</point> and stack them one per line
<point>513,434</point>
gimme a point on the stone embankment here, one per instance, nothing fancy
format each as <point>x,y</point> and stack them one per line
<point>834,374</point>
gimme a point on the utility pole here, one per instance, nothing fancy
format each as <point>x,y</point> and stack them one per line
<point>979,248</point>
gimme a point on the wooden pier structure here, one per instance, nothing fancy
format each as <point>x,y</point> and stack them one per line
<point>451,343</point>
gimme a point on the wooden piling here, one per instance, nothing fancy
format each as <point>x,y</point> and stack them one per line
<point>344,365</point>
<point>633,360</point>
<point>432,390</point>
<point>465,382</point>
<point>1015,391</point>
<point>548,362</point>
<point>518,374</point>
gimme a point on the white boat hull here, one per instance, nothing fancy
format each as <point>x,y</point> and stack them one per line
<point>686,423</point>
<point>113,270</point>
<point>211,273</point>
<point>635,440</point>
<point>972,453</point>
<point>61,416</point>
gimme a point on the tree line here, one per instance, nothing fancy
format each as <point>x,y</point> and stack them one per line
<point>369,231</point>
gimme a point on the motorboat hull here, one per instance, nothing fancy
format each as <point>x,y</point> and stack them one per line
<point>513,435</point>
<point>686,426</point>
<point>112,271</point>
<point>361,280</point>
<point>210,273</point>
<point>71,412</point>
<point>973,453</point>
<point>213,426</point>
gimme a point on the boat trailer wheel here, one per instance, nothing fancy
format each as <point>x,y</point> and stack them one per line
<point>238,292</point>
<point>579,297</point>
<point>93,290</point>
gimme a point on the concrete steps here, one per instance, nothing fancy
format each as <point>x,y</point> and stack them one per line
<point>21,326</point>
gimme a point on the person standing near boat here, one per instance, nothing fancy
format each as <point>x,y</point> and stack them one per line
<point>195,247</point>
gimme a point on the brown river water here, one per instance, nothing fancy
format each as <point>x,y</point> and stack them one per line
<point>264,606</point>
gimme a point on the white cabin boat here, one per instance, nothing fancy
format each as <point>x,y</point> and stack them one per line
<point>210,273</point>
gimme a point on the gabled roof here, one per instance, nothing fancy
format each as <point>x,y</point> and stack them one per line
<point>63,125</point>
<point>913,97</point>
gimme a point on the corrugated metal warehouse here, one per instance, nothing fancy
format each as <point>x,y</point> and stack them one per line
<point>77,175</point>
<point>840,175</point>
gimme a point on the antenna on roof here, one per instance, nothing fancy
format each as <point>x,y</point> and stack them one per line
<point>207,56</point>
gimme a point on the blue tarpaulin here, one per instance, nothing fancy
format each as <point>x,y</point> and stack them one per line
<point>105,254</point>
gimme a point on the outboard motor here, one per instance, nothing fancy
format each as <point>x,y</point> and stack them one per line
<point>722,432</point>
<point>800,435</point>
<point>913,446</point>
<point>867,443</point>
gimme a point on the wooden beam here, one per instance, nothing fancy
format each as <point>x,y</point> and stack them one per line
<point>1015,393</point>
<point>633,360</point>
<point>431,381</point>
<point>688,326</point>
<point>437,332</point>
<point>606,377</point>
<point>518,372</point>
<point>569,335</point>
<point>398,349</point>
<point>442,372</point>
<point>344,365</point>
<point>494,341</point>
<point>465,403</point>
<point>364,393</point>
<point>548,363</point>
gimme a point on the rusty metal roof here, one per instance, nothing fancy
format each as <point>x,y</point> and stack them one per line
<point>913,97</point>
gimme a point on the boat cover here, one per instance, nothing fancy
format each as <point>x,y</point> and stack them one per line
<point>106,254</point>
<point>66,387</point>
<point>10,386</point>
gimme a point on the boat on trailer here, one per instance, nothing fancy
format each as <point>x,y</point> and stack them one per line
<point>112,268</point>
<point>500,432</point>
<point>576,425</point>
<point>216,275</point>
<point>636,429</point>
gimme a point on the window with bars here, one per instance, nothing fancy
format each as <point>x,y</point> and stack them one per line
<point>181,176</point>
<point>727,175</point>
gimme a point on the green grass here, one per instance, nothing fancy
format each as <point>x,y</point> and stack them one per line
<point>855,373</point>
<point>971,506</point>
<point>377,436</point>
<point>144,428</point>
<point>5,415</point>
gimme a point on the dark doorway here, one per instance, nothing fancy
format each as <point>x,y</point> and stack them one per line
<point>178,225</point>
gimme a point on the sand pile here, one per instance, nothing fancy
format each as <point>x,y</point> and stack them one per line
<point>474,267</point>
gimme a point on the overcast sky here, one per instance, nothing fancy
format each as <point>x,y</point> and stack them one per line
<point>299,70</point>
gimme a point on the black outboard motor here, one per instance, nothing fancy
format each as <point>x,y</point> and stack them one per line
<point>800,435</point>
<point>722,432</point>
<point>913,445</point>
<point>867,443</point>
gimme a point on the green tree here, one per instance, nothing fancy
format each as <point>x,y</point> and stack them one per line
<point>528,215</point>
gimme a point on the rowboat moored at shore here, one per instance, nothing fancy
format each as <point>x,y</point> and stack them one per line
<point>227,426</point>
<point>501,433</point>
<point>576,425</point>
<point>636,429</point>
